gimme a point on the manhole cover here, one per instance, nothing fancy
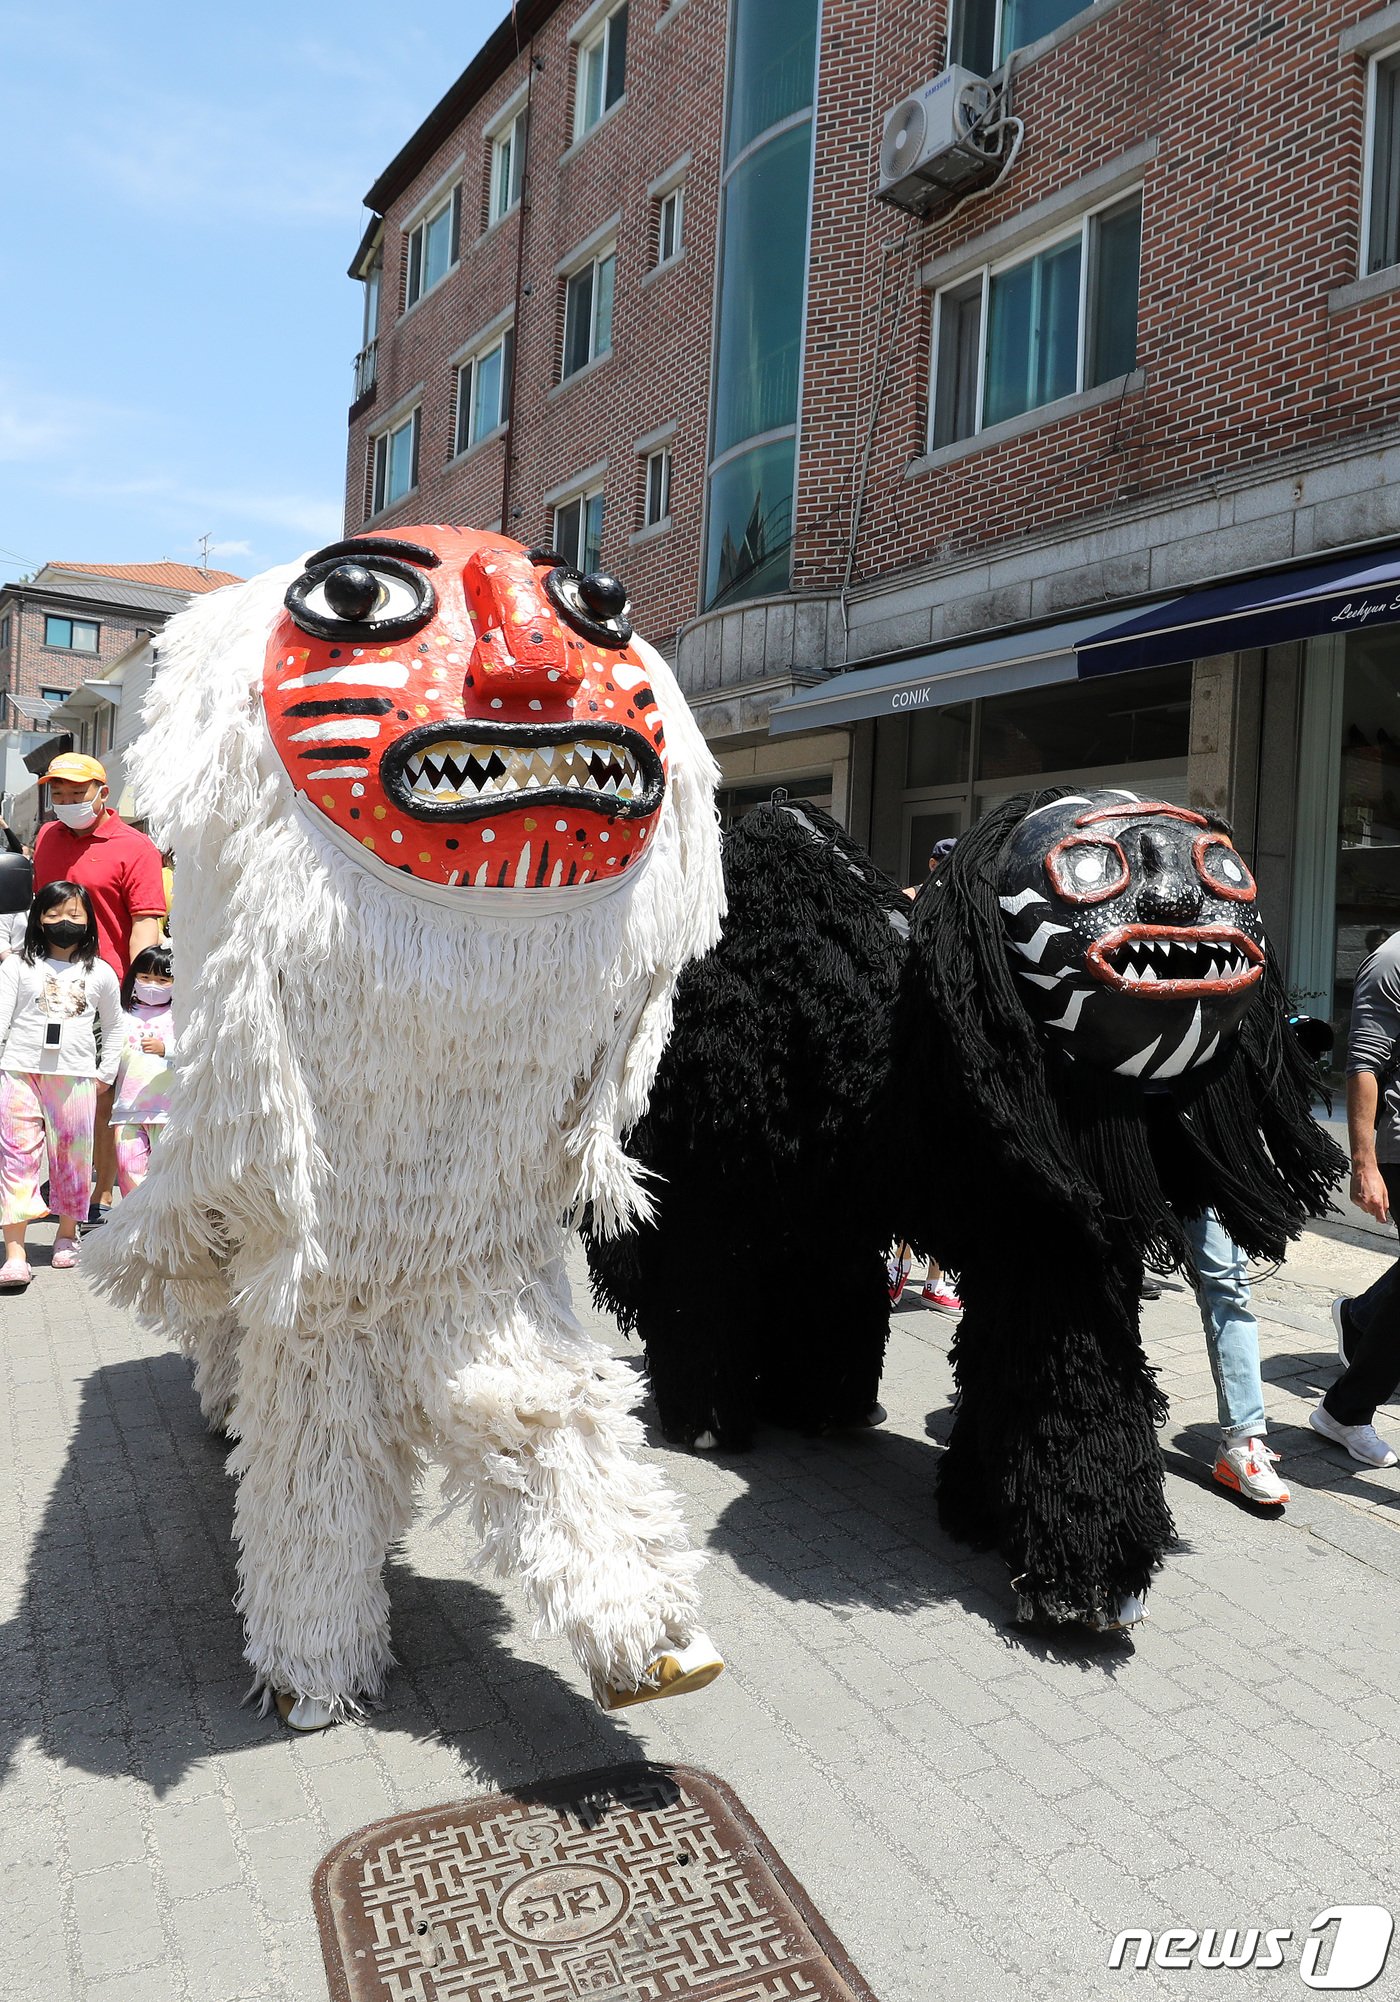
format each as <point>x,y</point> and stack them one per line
<point>638,1884</point>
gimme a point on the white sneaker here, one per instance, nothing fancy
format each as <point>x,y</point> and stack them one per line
<point>675,1673</point>
<point>1246,1466</point>
<point>304,1713</point>
<point>1363,1442</point>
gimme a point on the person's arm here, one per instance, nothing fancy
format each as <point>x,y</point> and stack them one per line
<point>109,1014</point>
<point>145,930</point>
<point>9,995</point>
<point>1373,1050</point>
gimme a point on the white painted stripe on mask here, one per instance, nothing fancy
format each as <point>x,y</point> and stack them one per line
<point>1018,903</point>
<point>1071,1015</point>
<point>1034,947</point>
<point>339,726</point>
<point>340,772</point>
<point>1185,1050</point>
<point>1135,1066</point>
<point>353,674</point>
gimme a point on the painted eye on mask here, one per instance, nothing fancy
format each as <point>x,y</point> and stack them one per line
<point>1086,872</point>
<point>1222,868</point>
<point>595,605</point>
<point>377,598</point>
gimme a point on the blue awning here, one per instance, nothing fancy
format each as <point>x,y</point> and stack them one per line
<point>1000,663</point>
<point>1336,597</point>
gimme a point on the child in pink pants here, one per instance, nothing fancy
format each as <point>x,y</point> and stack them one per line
<point>141,1102</point>
<point>51,992</point>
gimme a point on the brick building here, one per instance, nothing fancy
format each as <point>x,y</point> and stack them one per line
<point>1091,473</point>
<point>63,630</point>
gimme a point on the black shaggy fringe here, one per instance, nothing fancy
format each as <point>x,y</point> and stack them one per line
<point>1058,1183</point>
<point>760,1291</point>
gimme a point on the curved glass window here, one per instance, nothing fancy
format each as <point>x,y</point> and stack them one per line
<point>772,66</point>
<point>761,290</point>
<point>751,523</point>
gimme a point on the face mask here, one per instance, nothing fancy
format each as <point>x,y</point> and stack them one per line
<point>83,814</point>
<point>66,931</point>
<point>150,993</point>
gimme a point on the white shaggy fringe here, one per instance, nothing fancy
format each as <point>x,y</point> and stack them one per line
<point>385,1112</point>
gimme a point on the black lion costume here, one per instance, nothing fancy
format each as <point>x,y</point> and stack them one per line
<point>765,1136</point>
<point>1093,1023</point>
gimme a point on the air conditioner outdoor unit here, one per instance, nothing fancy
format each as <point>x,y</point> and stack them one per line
<point>937,143</point>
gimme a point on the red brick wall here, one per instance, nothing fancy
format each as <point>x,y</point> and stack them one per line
<point>1251,216</point>
<point>30,665</point>
<point>658,371</point>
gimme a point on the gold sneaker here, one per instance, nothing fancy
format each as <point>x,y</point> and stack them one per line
<point>675,1673</point>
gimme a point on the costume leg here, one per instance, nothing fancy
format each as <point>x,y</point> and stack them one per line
<point>536,1431</point>
<point>326,1468</point>
<point>1231,1331</point>
<point>823,1369</point>
<point>214,1352</point>
<point>1054,1455</point>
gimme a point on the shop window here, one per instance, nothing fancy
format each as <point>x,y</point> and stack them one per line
<point>940,747</point>
<point>432,247</point>
<point>602,70</point>
<point>1059,318</point>
<point>74,635</point>
<point>483,392</point>
<point>984,32</point>
<point>578,530</point>
<point>922,829</point>
<point>1112,722</point>
<point>507,166</point>
<point>1368,805</point>
<point>395,463</point>
<point>588,312</point>
<point>1383,162</point>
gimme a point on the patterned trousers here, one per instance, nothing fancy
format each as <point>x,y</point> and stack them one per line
<point>36,1110</point>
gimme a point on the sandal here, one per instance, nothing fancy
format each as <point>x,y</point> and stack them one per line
<point>65,1254</point>
<point>15,1275</point>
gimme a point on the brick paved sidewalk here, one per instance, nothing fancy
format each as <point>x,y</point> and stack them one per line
<point>976,1813</point>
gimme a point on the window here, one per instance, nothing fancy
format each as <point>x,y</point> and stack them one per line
<point>4,632</point>
<point>483,392</point>
<point>1383,163</point>
<point>76,635</point>
<point>985,32</point>
<point>602,62</point>
<point>669,212</point>
<point>53,694</point>
<point>507,167</point>
<point>656,500</point>
<point>588,312</point>
<point>432,247</point>
<point>578,530</point>
<point>1057,320</point>
<point>395,463</point>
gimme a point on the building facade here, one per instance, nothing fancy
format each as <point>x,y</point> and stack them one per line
<point>1089,472</point>
<point>63,633</point>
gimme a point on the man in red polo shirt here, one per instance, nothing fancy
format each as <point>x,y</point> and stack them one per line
<point>120,870</point>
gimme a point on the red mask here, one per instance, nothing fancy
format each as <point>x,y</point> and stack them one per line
<point>469,713</point>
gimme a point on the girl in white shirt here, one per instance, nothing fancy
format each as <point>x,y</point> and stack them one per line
<point>50,994</point>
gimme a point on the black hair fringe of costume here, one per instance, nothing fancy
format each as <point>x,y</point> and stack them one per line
<point>763,1131</point>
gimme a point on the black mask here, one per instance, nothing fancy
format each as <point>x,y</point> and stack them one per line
<point>1133,929</point>
<point>66,931</point>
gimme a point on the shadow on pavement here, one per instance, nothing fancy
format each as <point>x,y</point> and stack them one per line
<point>126,1657</point>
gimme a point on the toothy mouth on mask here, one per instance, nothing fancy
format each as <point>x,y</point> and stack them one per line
<point>468,711</point>
<point>1133,931</point>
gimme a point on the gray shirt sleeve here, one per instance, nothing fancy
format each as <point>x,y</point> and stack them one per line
<point>1374,1043</point>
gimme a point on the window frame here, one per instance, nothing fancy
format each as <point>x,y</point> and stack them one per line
<point>69,645</point>
<point>379,498</point>
<point>466,438</point>
<point>4,632</point>
<point>660,455</point>
<point>672,195</point>
<point>1000,54</point>
<point>606,252</point>
<point>579,498</point>
<point>1388,55</point>
<point>513,131</point>
<point>449,202</point>
<point>1082,227</point>
<point>598,38</point>
<point>54,695</point>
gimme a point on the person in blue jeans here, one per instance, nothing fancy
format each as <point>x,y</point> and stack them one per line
<point>1244,1462</point>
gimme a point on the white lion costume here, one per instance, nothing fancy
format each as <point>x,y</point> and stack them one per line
<point>445,837</point>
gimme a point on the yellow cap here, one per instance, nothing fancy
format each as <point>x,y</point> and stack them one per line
<point>74,766</point>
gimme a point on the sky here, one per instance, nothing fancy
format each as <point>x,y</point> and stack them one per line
<point>182,190</point>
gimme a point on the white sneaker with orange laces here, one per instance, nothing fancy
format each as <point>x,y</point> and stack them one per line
<point>1247,1467</point>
